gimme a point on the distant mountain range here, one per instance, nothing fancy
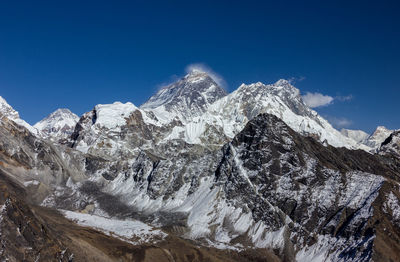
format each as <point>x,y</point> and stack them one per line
<point>195,172</point>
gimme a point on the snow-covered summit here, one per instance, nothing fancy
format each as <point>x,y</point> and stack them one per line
<point>58,125</point>
<point>379,135</point>
<point>283,84</point>
<point>185,99</point>
<point>9,112</point>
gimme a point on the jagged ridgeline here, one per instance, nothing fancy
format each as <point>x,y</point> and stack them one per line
<point>197,174</point>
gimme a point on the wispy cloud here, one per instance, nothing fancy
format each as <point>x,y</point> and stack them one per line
<point>293,80</point>
<point>206,69</point>
<point>339,122</point>
<point>344,98</point>
<point>317,99</point>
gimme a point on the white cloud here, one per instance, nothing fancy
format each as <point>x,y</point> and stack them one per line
<point>206,69</point>
<point>339,122</point>
<point>317,99</point>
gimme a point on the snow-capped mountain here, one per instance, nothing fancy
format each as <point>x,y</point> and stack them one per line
<point>195,111</point>
<point>230,114</point>
<point>379,135</point>
<point>268,188</point>
<point>58,125</point>
<point>185,99</point>
<point>357,135</point>
<point>7,111</point>
<point>372,141</point>
<point>114,130</point>
<point>254,169</point>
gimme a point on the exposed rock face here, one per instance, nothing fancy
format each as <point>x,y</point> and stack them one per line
<point>391,145</point>
<point>59,125</point>
<point>23,235</point>
<point>306,188</point>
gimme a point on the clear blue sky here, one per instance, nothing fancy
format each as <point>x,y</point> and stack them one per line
<point>76,55</point>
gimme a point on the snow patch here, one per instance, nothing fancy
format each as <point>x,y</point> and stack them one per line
<point>132,231</point>
<point>113,116</point>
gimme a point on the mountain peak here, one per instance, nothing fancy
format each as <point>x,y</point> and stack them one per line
<point>289,89</point>
<point>379,135</point>
<point>196,72</point>
<point>197,76</point>
<point>282,82</point>
<point>186,98</point>
<point>7,110</point>
<point>59,115</point>
<point>62,112</point>
<point>381,129</point>
<point>59,124</point>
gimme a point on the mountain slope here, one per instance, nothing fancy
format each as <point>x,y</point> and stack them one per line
<point>311,184</point>
<point>23,235</point>
<point>391,145</point>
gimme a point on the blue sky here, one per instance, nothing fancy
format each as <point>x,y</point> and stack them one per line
<point>76,55</point>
